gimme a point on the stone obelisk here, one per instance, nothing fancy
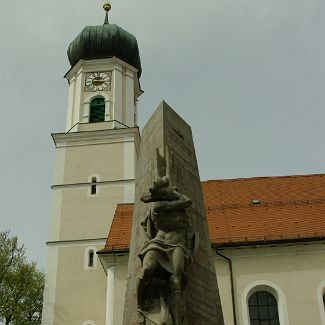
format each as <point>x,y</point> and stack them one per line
<point>167,150</point>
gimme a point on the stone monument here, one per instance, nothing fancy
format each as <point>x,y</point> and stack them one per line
<point>171,277</point>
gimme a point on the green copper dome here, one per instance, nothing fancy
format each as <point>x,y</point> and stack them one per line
<point>105,41</point>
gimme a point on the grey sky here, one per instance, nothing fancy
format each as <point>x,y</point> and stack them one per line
<point>248,75</point>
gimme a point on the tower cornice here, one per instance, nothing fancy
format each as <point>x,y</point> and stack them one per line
<point>97,137</point>
<point>103,65</point>
<point>106,63</point>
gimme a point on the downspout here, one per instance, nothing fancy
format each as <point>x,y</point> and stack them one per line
<point>232,285</point>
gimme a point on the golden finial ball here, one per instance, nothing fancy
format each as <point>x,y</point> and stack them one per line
<point>107,7</point>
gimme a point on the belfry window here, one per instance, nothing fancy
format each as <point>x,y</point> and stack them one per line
<point>93,186</point>
<point>263,309</point>
<point>97,110</point>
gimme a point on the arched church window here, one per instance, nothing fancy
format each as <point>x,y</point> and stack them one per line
<point>324,299</point>
<point>263,309</point>
<point>93,186</point>
<point>97,110</point>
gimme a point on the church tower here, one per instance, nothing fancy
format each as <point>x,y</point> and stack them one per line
<point>94,170</point>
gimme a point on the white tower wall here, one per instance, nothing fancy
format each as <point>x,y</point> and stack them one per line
<point>75,293</point>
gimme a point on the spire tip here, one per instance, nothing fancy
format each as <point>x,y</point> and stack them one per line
<point>107,7</point>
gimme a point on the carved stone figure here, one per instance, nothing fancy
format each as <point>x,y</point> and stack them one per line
<point>165,256</point>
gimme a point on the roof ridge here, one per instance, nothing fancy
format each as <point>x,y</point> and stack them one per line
<point>266,204</point>
<point>260,177</point>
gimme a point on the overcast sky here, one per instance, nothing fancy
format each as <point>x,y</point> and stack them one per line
<point>248,75</point>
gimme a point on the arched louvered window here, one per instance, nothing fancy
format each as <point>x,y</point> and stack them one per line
<point>97,110</point>
<point>263,309</point>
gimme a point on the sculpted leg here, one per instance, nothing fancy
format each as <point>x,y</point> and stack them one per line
<point>149,265</point>
<point>176,308</point>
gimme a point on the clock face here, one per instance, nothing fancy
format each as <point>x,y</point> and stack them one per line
<point>97,81</point>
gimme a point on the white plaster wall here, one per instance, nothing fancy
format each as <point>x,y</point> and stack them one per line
<point>105,160</point>
<point>119,290</point>
<point>59,166</point>
<point>80,292</point>
<point>53,235</point>
<point>50,286</point>
<point>129,171</point>
<point>136,112</point>
<point>71,99</point>
<point>129,159</point>
<point>118,94</point>
<point>320,293</point>
<point>295,270</point>
<point>55,220</point>
<point>129,193</point>
<point>78,99</point>
<point>129,98</point>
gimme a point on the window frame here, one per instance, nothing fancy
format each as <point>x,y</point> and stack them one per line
<point>91,258</point>
<point>91,184</point>
<point>270,303</point>
<point>86,107</point>
<point>272,288</point>
<point>90,109</point>
<point>87,253</point>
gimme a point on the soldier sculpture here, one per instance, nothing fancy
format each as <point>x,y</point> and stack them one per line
<point>165,256</point>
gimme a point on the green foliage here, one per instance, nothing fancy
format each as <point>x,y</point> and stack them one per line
<point>21,285</point>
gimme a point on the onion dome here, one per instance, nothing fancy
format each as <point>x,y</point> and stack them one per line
<point>105,41</point>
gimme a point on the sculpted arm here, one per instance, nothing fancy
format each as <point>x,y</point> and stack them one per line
<point>179,202</point>
<point>166,197</point>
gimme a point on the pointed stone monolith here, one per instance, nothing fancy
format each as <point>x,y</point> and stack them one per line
<point>167,154</point>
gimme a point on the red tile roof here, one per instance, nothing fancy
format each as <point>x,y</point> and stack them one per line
<point>119,236</point>
<point>288,208</point>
